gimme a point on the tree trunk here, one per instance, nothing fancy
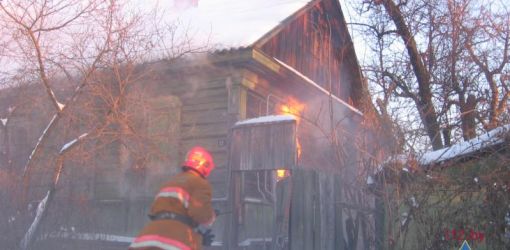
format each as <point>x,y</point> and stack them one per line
<point>468,118</point>
<point>425,106</point>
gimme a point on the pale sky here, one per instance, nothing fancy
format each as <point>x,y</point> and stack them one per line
<point>230,23</point>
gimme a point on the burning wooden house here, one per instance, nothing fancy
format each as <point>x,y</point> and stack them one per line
<point>268,106</point>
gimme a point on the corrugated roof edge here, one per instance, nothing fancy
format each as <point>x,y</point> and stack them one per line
<point>229,50</point>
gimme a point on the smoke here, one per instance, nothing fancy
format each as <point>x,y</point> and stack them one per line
<point>327,132</point>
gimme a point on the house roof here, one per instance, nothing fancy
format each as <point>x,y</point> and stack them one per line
<point>266,119</point>
<point>462,150</point>
<point>466,148</point>
<point>318,87</point>
<point>231,23</point>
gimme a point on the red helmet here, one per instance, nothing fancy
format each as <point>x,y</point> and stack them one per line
<point>200,160</point>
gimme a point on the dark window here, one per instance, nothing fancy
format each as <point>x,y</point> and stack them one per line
<point>257,105</point>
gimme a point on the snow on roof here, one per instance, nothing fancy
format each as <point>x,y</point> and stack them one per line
<point>230,23</point>
<point>481,142</point>
<point>266,119</point>
<point>464,148</point>
<point>310,81</point>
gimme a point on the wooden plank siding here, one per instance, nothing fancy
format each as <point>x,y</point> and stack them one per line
<point>211,103</point>
<point>205,100</point>
<point>316,220</point>
<point>263,147</point>
<point>318,45</point>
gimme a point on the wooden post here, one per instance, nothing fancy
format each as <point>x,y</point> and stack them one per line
<point>231,236</point>
<point>339,225</point>
<point>325,184</point>
<point>379,222</point>
<point>316,211</point>
<point>302,235</point>
<point>296,225</point>
<point>282,214</point>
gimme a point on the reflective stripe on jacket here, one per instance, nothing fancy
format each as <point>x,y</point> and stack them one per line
<point>186,194</point>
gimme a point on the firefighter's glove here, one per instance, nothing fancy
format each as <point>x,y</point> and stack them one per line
<point>207,237</point>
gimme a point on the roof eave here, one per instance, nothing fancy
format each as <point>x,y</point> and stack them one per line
<point>275,67</point>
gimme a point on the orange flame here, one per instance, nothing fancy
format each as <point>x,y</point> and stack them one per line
<point>282,174</point>
<point>294,108</point>
<point>298,147</point>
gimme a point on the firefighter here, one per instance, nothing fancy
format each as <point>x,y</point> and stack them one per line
<point>181,205</point>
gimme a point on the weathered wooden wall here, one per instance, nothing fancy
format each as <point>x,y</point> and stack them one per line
<point>320,217</point>
<point>318,45</point>
<point>197,105</point>
<point>268,146</point>
<point>257,150</point>
<point>176,109</point>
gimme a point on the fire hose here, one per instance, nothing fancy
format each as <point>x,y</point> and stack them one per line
<point>207,235</point>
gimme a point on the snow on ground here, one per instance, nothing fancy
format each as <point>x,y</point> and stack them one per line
<point>248,241</point>
<point>38,216</point>
<point>65,234</point>
<point>89,236</point>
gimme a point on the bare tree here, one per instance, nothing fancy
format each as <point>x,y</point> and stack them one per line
<point>488,44</point>
<point>446,60</point>
<point>440,73</point>
<point>88,57</point>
